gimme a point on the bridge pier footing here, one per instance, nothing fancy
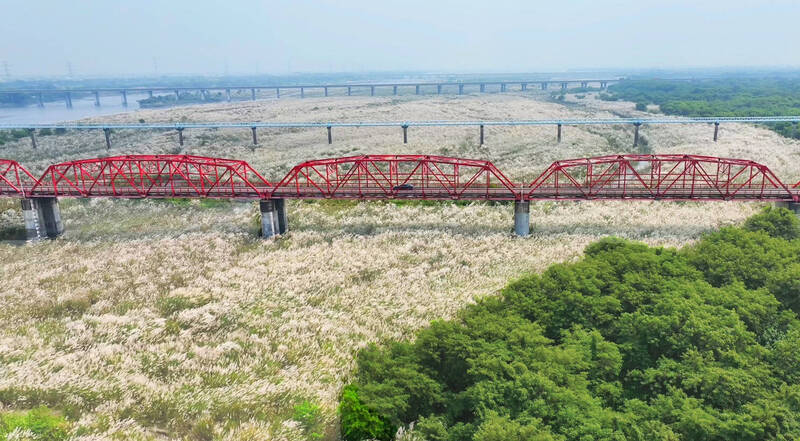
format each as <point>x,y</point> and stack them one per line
<point>42,218</point>
<point>273,217</point>
<point>522,218</point>
<point>793,206</point>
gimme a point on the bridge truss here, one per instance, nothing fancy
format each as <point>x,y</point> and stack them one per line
<point>426,177</point>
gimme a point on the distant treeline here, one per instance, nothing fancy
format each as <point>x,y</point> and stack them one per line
<point>718,97</point>
<point>184,98</point>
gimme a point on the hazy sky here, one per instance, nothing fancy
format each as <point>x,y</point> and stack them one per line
<point>39,37</point>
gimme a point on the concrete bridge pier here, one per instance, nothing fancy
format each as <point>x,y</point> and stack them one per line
<point>150,93</point>
<point>228,95</point>
<point>32,134</point>
<point>544,86</point>
<point>330,135</point>
<point>107,133</point>
<point>349,91</point>
<point>394,90</point>
<point>559,134</point>
<point>178,95</point>
<point>522,218</point>
<point>42,218</point>
<point>326,90</point>
<point>584,84</point>
<point>563,86</point>
<point>483,88</point>
<point>68,100</point>
<point>125,98</point>
<point>416,89</point>
<point>255,135</point>
<point>180,136</point>
<point>603,85</point>
<point>405,134</point>
<point>41,100</point>
<point>277,92</point>
<point>96,98</point>
<point>438,89</point>
<point>273,217</point>
<point>371,90</point>
<point>716,131</point>
<point>253,94</point>
<point>302,92</point>
<point>524,86</point>
<point>793,206</point>
<point>461,89</point>
<point>502,87</point>
<point>636,133</point>
<point>481,134</point>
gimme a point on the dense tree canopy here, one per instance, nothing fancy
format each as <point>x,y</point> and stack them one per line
<point>630,343</point>
<point>722,97</point>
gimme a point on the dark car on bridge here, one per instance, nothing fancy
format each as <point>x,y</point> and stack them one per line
<point>403,187</point>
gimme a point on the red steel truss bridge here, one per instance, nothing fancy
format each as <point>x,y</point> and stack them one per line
<point>614,177</point>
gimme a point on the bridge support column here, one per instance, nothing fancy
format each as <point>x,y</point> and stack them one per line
<point>178,95</point>
<point>524,86</point>
<point>330,135</point>
<point>180,137</point>
<point>228,95</point>
<point>636,134</point>
<point>483,88</point>
<point>273,217</point>
<point>603,85</point>
<point>32,134</point>
<point>255,135</point>
<point>277,92</point>
<point>97,99</point>
<point>107,133</point>
<point>150,93</point>
<point>253,94</point>
<point>394,90</point>
<point>302,93</point>
<point>544,86</point>
<point>563,86</point>
<point>124,98</point>
<point>68,100</point>
<point>461,89</point>
<point>416,90</point>
<point>481,134</point>
<point>793,206</point>
<point>371,90</point>
<point>42,218</point>
<point>326,91</point>
<point>522,218</point>
<point>559,134</point>
<point>502,87</point>
<point>716,131</point>
<point>405,134</point>
<point>584,84</point>
<point>438,89</point>
<point>349,91</point>
<point>41,100</point>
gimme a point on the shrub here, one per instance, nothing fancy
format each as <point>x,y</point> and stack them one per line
<point>309,417</point>
<point>641,106</point>
<point>631,342</point>
<point>43,423</point>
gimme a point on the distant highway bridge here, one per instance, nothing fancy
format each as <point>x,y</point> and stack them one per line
<point>668,177</point>
<point>396,87</point>
<point>179,127</point>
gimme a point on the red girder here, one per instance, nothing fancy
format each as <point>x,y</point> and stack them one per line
<point>665,177</point>
<point>14,179</point>
<point>660,177</point>
<point>397,177</point>
<point>153,176</point>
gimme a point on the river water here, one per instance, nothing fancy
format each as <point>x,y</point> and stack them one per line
<point>56,111</point>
